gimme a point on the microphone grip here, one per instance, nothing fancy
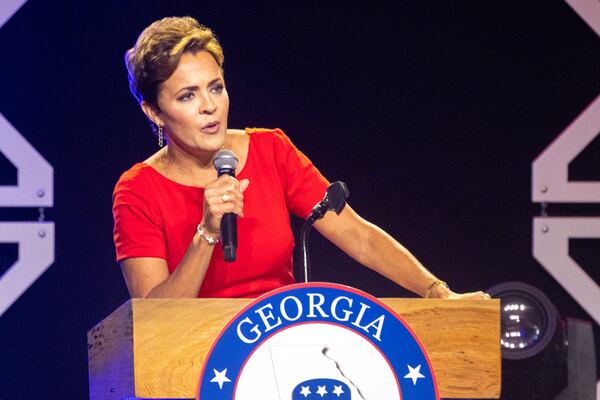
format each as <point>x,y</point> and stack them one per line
<point>229,236</point>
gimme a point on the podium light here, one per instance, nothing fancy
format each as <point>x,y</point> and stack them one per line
<point>534,355</point>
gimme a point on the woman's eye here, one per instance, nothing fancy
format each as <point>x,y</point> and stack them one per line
<point>217,88</point>
<point>186,97</point>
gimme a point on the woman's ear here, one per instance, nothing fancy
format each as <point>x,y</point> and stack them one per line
<point>152,113</point>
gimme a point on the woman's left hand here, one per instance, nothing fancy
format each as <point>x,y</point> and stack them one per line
<point>450,295</point>
<point>470,296</point>
<point>442,291</point>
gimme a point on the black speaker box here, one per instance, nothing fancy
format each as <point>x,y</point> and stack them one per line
<point>581,362</point>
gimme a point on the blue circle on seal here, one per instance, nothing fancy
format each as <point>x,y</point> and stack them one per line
<point>326,303</point>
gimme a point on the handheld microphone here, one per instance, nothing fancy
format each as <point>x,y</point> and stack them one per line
<point>225,162</point>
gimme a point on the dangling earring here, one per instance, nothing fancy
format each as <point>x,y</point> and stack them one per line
<point>161,137</point>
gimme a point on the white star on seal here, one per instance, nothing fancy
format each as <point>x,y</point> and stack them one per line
<point>322,391</point>
<point>337,390</point>
<point>305,391</point>
<point>414,373</point>
<point>220,377</point>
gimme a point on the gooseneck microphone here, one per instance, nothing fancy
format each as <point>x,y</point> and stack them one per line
<point>225,162</point>
<point>334,200</point>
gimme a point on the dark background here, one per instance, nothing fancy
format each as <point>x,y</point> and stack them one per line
<point>431,112</point>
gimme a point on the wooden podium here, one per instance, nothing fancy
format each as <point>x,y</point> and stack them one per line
<point>155,348</point>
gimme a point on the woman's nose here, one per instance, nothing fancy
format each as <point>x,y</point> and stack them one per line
<point>207,105</point>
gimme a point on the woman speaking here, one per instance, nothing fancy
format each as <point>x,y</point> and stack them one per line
<point>168,209</point>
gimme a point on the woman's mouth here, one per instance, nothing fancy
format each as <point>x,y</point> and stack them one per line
<point>211,128</point>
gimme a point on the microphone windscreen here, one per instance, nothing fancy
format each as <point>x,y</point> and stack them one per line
<point>337,193</point>
<point>225,160</point>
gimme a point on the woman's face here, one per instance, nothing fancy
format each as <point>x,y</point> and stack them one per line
<point>194,104</point>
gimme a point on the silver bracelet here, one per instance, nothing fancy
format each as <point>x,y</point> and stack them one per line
<point>201,229</point>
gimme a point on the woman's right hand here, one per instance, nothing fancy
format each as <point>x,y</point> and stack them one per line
<point>150,276</point>
<point>221,196</point>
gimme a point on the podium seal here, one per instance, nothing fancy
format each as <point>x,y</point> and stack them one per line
<point>317,341</point>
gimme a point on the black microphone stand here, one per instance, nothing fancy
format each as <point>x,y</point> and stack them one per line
<point>334,200</point>
<point>304,238</point>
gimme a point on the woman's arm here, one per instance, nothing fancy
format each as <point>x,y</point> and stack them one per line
<point>149,276</point>
<point>374,248</point>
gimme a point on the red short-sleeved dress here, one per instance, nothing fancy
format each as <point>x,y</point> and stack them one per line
<point>157,217</point>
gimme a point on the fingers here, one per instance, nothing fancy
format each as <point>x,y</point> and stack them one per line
<point>244,183</point>
<point>470,296</point>
<point>223,195</point>
<point>476,296</point>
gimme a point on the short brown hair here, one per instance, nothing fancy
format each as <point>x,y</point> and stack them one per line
<point>158,50</point>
